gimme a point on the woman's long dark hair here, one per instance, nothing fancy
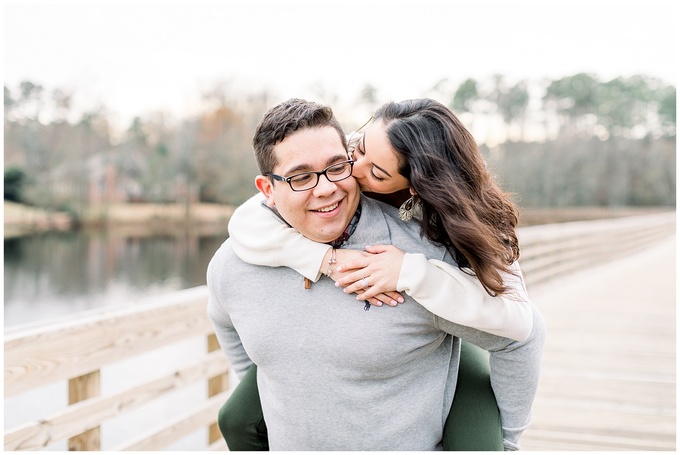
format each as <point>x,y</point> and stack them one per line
<point>462,206</point>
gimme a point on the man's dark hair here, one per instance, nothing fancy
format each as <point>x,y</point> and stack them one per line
<point>285,119</point>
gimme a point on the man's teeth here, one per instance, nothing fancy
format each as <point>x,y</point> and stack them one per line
<point>329,208</point>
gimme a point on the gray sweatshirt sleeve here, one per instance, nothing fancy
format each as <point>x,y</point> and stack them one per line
<point>515,369</point>
<point>229,339</point>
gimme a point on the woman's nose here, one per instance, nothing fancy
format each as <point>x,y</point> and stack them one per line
<point>358,170</point>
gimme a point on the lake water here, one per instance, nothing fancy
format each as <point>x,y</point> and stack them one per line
<point>54,275</point>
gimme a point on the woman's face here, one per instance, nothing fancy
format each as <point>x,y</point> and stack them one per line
<point>376,164</point>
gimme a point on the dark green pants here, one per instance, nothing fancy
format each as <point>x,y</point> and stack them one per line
<point>473,423</point>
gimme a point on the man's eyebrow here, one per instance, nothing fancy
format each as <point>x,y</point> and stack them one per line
<point>336,158</point>
<point>307,168</point>
<point>363,139</point>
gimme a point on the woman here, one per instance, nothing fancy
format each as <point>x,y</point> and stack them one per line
<point>416,154</point>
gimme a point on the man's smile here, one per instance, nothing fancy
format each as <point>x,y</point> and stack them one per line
<point>328,208</point>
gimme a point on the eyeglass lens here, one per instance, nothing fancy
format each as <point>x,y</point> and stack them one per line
<point>308,180</point>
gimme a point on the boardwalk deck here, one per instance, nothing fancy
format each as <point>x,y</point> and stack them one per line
<point>609,369</point>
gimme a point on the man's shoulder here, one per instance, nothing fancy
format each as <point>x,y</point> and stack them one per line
<point>228,273</point>
<point>405,234</point>
<point>391,215</point>
<point>390,212</point>
<point>224,257</point>
<point>380,205</point>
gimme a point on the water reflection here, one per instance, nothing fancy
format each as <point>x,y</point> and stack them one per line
<point>56,274</point>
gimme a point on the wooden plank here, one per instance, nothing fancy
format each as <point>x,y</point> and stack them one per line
<point>220,445</point>
<point>538,233</point>
<point>182,426</point>
<point>216,385</point>
<point>609,370</point>
<point>645,394</point>
<point>80,389</point>
<point>568,438</point>
<point>39,355</point>
<point>79,417</point>
<point>595,420</point>
<point>550,251</point>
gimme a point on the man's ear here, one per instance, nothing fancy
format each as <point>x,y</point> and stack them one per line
<point>266,187</point>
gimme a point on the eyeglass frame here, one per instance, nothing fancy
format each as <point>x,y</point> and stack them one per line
<point>318,174</point>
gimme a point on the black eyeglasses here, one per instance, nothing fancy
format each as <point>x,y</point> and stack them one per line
<point>354,139</point>
<point>307,180</point>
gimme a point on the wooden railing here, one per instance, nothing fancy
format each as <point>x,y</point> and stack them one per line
<point>546,251</point>
<point>76,350</point>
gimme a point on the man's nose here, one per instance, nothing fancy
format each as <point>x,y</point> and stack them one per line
<point>324,187</point>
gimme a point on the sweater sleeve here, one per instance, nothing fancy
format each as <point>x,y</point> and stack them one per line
<point>451,294</point>
<point>258,236</point>
<point>226,334</point>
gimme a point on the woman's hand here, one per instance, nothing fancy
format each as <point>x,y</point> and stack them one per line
<point>347,263</point>
<point>373,275</point>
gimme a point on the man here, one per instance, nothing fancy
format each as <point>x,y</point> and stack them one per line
<point>332,376</point>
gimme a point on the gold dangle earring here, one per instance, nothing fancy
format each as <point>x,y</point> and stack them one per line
<point>406,209</point>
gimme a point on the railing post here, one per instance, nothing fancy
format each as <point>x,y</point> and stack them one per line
<point>216,385</point>
<point>79,389</point>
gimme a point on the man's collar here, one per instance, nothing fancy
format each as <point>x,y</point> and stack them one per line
<point>340,241</point>
<point>372,227</point>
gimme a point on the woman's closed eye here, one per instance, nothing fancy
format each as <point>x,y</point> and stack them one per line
<point>380,179</point>
<point>358,152</point>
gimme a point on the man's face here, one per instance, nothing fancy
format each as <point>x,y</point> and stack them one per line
<point>322,213</point>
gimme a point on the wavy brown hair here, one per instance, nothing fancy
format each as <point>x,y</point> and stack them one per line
<point>462,206</point>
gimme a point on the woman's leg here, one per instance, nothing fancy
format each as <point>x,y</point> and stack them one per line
<point>474,422</point>
<point>240,419</point>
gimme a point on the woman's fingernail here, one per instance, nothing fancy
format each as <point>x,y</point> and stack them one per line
<point>339,269</point>
<point>400,300</point>
<point>394,303</point>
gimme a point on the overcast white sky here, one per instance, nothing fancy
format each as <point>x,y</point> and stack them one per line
<point>143,56</point>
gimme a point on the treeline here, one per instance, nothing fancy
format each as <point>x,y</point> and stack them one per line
<point>573,171</point>
<point>567,142</point>
<point>580,105</point>
<point>51,161</point>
